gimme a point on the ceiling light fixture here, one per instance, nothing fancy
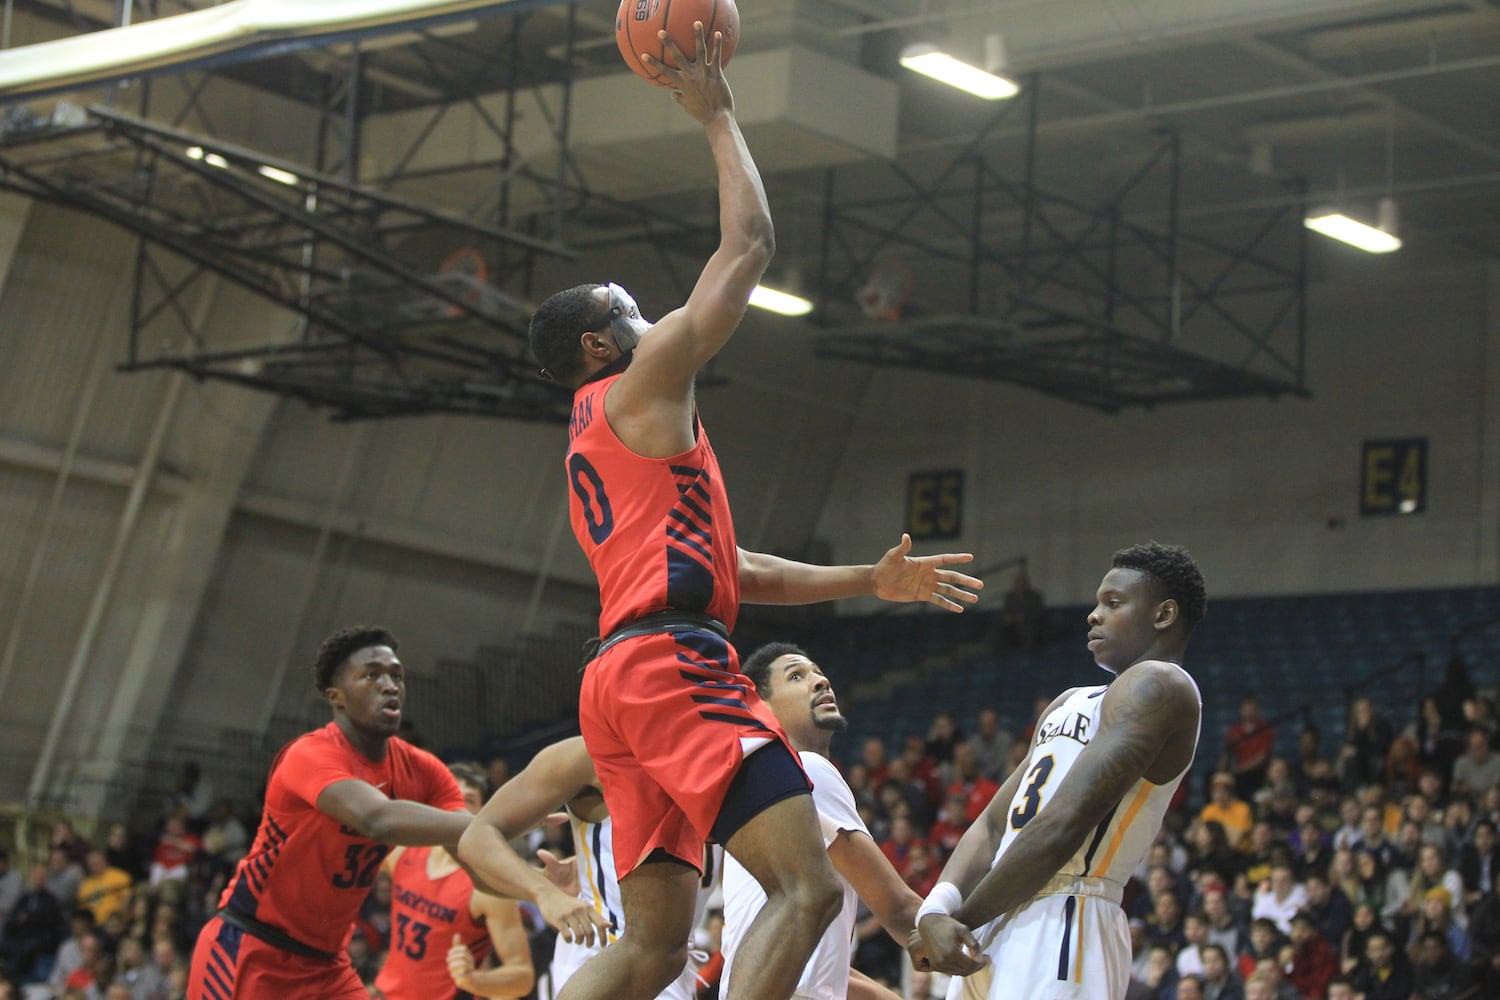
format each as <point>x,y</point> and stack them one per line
<point>278,175</point>
<point>782,303</point>
<point>1336,225</point>
<point>931,61</point>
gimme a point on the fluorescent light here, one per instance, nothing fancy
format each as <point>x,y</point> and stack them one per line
<point>215,160</point>
<point>195,152</point>
<point>784,303</point>
<point>1339,226</point>
<point>929,60</point>
<point>278,175</point>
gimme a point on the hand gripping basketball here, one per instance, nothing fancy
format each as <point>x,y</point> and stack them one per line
<point>699,86</point>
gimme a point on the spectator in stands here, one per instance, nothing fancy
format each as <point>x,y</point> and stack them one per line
<point>85,975</point>
<point>1311,961</point>
<point>497,771</point>
<point>942,736</point>
<point>897,847</point>
<point>1310,853</point>
<point>1224,929</point>
<point>1372,838</point>
<point>63,877</point>
<point>1418,811</point>
<point>1341,987</point>
<point>1310,762</point>
<point>1479,713</point>
<point>1265,943</point>
<point>1347,835</point>
<point>71,956</point>
<point>1189,986</point>
<point>375,914</point>
<point>1279,898</point>
<point>1262,851</point>
<point>1212,854</point>
<point>174,853</point>
<point>923,771</point>
<point>225,839</point>
<point>1248,747</point>
<point>364,958</point>
<point>105,890</point>
<point>152,982</point>
<point>921,872</point>
<point>193,796</point>
<point>1458,827</point>
<point>1437,973</point>
<point>1195,936</point>
<point>1440,738</point>
<point>951,823</point>
<point>122,852</point>
<point>1343,874</point>
<point>1478,863</point>
<point>11,886</point>
<point>1432,872</point>
<point>1227,809</point>
<point>1164,922</point>
<point>1271,972</point>
<point>858,777</point>
<point>991,745</point>
<point>65,837</point>
<point>1158,981</point>
<point>1220,982</point>
<point>1023,615</point>
<point>976,789</point>
<point>1437,916</point>
<point>1484,939</point>
<point>1402,766</point>
<point>1367,739</point>
<point>1328,906</point>
<point>1278,805</point>
<point>911,791</point>
<point>131,967</point>
<point>1479,768</point>
<point>1352,949</point>
<point>872,755</point>
<point>1386,973</point>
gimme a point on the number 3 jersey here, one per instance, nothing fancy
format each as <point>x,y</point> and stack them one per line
<point>307,874</point>
<point>1115,847</point>
<point>426,913</point>
<point>657,531</point>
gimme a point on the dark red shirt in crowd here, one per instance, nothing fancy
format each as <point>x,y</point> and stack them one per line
<point>976,795</point>
<point>1313,965</point>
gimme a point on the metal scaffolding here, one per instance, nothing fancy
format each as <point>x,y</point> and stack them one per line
<point>1074,300</point>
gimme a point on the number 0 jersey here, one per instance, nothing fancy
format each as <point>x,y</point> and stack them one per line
<point>1119,842</point>
<point>307,874</point>
<point>657,531</point>
<point>425,914</point>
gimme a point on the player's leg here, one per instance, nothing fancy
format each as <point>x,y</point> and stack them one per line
<point>781,845</point>
<point>214,970</point>
<point>658,901</point>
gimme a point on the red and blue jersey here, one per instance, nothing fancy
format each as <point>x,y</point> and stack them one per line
<point>657,531</point>
<point>307,874</point>
<point>425,914</point>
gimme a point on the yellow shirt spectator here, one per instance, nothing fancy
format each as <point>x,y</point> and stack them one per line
<point>105,890</point>
<point>1234,814</point>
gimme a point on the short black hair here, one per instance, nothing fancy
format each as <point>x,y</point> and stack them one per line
<point>343,644</point>
<point>1173,574</point>
<point>758,666</point>
<point>467,772</point>
<point>559,322</point>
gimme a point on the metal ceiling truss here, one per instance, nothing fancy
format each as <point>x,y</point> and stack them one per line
<point>385,325</point>
<point>1077,301</point>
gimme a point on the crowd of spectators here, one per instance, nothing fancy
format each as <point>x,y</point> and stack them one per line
<point>1371,872</point>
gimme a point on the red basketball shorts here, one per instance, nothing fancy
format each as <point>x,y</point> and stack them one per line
<point>229,964</point>
<point>663,717</point>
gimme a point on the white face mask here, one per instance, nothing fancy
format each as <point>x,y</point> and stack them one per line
<point>625,319</point>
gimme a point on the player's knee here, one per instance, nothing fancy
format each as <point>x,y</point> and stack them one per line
<point>662,965</point>
<point>818,894</point>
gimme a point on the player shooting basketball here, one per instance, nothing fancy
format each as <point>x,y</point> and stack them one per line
<point>684,748</point>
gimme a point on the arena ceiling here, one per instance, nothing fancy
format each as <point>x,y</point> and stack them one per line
<point>1125,232</point>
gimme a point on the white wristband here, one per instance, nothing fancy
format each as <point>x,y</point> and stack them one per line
<point>944,898</point>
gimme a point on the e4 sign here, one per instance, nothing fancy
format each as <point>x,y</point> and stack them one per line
<point>1393,477</point>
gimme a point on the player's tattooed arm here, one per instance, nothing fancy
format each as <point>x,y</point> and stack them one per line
<point>1142,711</point>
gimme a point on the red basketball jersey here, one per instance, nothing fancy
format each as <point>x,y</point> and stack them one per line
<point>307,874</point>
<point>425,914</point>
<point>657,531</point>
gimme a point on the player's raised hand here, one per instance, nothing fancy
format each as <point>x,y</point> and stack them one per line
<point>572,918</point>
<point>561,872</point>
<point>460,965</point>
<point>947,946</point>
<point>699,86</point>
<point>902,577</point>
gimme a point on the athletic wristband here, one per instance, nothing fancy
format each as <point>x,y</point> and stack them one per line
<point>944,898</point>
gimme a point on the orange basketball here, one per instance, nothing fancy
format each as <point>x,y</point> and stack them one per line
<point>638,21</point>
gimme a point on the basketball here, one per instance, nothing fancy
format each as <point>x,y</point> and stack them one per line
<point>638,21</point>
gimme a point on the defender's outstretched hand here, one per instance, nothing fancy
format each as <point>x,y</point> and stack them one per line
<point>699,86</point>
<point>902,578</point>
<point>573,919</point>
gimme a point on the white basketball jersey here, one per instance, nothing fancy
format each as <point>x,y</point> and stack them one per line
<point>1117,844</point>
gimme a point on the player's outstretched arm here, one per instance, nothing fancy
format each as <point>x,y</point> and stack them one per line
<point>1143,710</point>
<point>362,806</point>
<point>684,340</point>
<point>514,976</point>
<point>554,776</point>
<point>856,857</point>
<point>899,577</point>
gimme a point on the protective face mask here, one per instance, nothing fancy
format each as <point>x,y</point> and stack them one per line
<point>625,319</point>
